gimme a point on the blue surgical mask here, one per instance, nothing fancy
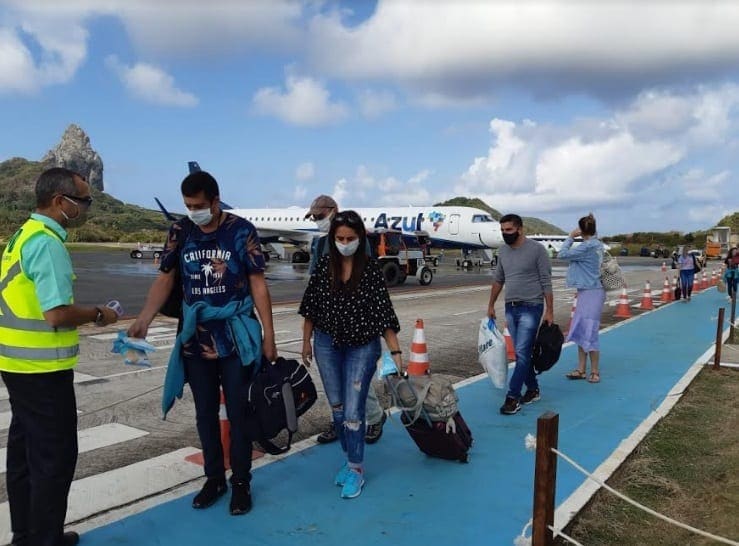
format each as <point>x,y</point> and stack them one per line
<point>347,249</point>
<point>200,217</point>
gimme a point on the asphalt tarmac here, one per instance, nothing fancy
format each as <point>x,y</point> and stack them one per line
<point>107,274</point>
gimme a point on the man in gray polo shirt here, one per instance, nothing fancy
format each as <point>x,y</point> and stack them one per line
<point>525,270</point>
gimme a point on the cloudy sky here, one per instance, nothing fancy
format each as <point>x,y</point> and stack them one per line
<point>549,108</point>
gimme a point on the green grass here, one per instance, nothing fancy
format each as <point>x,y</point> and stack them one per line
<point>686,468</point>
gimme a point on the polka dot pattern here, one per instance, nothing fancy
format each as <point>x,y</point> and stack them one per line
<point>350,318</point>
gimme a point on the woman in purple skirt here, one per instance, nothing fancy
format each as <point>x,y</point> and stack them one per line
<point>584,274</point>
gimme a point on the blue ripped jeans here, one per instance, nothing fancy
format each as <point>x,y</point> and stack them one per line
<point>346,373</point>
<point>522,320</point>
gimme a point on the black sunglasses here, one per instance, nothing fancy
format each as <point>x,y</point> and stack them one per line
<point>87,201</point>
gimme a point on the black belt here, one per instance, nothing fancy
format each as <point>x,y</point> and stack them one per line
<point>523,303</point>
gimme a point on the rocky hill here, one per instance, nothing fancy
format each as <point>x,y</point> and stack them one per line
<point>74,152</point>
<point>110,220</point>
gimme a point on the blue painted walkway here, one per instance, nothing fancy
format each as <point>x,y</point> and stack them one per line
<point>412,499</point>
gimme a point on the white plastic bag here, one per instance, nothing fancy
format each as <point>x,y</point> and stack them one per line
<point>492,353</point>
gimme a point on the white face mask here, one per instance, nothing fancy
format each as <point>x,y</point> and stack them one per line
<point>200,217</point>
<point>347,249</point>
<point>324,224</point>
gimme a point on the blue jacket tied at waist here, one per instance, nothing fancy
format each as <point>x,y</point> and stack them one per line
<point>246,330</point>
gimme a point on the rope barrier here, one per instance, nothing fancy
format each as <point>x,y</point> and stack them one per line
<point>568,538</point>
<point>641,506</point>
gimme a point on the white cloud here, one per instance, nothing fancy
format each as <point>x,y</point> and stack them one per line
<point>305,102</point>
<point>299,193</point>
<point>625,160</point>
<point>460,50</point>
<point>54,44</point>
<point>150,84</point>
<point>368,190</point>
<point>17,70</point>
<point>62,47</point>
<point>305,171</point>
<point>374,104</point>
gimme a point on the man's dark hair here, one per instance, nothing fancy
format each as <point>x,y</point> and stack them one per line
<point>200,181</point>
<point>514,219</point>
<point>54,181</point>
<point>352,220</point>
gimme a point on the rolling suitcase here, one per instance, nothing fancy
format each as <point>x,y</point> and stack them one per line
<point>432,437</point>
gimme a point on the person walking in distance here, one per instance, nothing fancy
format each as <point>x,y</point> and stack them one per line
<point>346,309</point>
<point>686,263</point>
<point>322,211</point>
<point>731,276</point>
<point>221,342</point>
<point>39,347</point>
<point>525,271</point>
<point>584,274</point>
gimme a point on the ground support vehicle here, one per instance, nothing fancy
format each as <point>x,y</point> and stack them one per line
<point>147,251</point>
<point>397,261</point>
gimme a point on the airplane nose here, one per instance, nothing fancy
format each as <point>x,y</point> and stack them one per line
<point>491,237</point>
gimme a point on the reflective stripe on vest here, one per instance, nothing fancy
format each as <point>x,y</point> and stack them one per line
<point>29,344</point>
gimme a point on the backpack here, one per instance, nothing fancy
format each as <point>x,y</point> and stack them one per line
<point>696,264</point>
<point>547,347</point>
<point>278,394</point>
<point>432,393</point>
<point>172,307</point>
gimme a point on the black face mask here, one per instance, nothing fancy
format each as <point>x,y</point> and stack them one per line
<point>510,238</point>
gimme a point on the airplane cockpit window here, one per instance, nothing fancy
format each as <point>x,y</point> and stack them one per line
<point>481,218</point>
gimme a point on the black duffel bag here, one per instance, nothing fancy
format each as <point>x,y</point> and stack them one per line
<point>279,393</point>
<point>547,347</point>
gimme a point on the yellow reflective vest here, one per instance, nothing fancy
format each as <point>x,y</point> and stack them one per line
<point>28,344</point>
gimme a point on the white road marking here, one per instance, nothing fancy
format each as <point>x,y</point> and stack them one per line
<point>102,492</point>
<point>94,438</point>
<point>78,378</point>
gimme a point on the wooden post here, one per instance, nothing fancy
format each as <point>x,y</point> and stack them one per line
<point>719,331</point>
<point>732,330</point>
<point>545,479</point>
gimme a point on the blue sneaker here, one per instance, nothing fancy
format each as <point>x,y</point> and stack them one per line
<point>342,475</point>
<point>353,485</point>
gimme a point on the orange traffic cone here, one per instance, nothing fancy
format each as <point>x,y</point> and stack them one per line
<point>418,364</point>
<point>704,282</point>
<point>197,458</point>
<point>572,312</point>
<point>666,296</point>
<point>646,299</point>
<point>225,432</point>
<point>622,309</point>
<point>697,286</point>
<point>510,350</point>
<point>664,267</point>
<point>674,288</point>
<point>713,277</point>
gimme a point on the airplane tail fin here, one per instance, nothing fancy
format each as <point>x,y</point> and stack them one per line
<point>168,215</point>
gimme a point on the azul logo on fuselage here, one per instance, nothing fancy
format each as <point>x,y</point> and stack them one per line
<point>404,223</point>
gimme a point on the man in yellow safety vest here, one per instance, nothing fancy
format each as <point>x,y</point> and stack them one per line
<point>38,349</point>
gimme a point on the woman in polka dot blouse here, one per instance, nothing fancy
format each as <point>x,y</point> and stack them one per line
<point>347,309</point>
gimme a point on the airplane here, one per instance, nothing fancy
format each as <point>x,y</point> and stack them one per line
<point>464,228</point>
